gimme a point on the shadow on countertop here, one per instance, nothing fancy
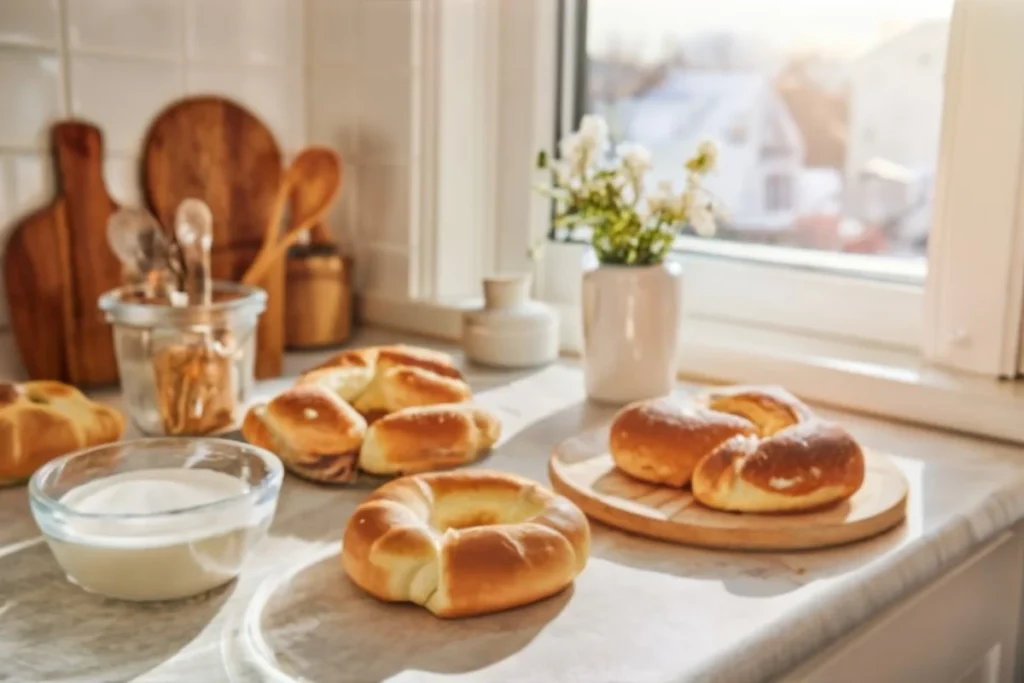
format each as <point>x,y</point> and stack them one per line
<point>100,639</point>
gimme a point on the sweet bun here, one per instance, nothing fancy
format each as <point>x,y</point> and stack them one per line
<point>428,438</point>
<point>741,449</point>
<point>661,441</point>
<point>43,420</point>
<point>465,543</point>
<point>382,380</point>
<point>315,433</point>
<point>805,466</point>
<point>769,409</point>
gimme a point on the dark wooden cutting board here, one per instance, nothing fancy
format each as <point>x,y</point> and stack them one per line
<point>57,264</point>
<point>213,149</point>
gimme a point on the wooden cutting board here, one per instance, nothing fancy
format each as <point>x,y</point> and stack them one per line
<point>213,149</point>
<point>57,264</point>
<point>582,470</point>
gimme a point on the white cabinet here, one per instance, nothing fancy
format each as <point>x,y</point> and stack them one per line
<point>961,628</point>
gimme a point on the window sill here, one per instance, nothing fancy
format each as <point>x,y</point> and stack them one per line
<point>890,384</point>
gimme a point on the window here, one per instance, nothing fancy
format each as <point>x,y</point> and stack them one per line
<point>922,259</point>
<point>842,99</point>
<point>778,190</point>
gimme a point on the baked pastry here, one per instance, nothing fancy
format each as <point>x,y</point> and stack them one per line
<point>315,433</point>
<point>464,543</point>
<point>798,461</point>
<point>428,438</point>
<point>42,420</point>
<point>661,441</point>
<point>384,379</point>
<point>742,449</point>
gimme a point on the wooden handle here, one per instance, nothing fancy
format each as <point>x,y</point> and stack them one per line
<point>273,228</point>
<point>266,259</point>
<point>319,234</point>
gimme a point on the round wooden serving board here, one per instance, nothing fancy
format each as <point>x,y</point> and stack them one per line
<point>582,470</point>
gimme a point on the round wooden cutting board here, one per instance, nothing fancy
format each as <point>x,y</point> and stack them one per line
<point>582,470</point>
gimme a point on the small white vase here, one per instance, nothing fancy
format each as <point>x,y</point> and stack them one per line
<point>511,330</point>
<point>631,319</point>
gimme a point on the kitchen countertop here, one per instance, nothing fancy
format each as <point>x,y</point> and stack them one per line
<point>642,610</point>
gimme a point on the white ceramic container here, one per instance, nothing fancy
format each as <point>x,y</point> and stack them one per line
<point>511,330</point>
<point>631,319</point>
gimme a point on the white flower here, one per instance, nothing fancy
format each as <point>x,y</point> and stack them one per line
<point>709,152</point>
<point>562,173</point>
<point>573,152</point>
<point>699,212</point>
<point>636,160</point>
<point>662,198</point>
<point>594,133</point>
<point>705,160</point>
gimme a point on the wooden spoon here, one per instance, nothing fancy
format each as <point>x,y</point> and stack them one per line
<point>319,166</point>
<point>307,196</point>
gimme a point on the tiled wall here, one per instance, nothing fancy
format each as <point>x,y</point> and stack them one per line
<point>117,63</point>
<point>362,81</point>
<point>340,72</point>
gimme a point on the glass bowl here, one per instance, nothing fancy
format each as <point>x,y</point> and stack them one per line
<point>156,519</point>
<point>185,370</point>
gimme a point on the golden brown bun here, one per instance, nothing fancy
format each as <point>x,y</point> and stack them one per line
<point>770,409</point>
<point>384,379</point>
<point>428,438</point>
<point>805,466</point>
<point>465,543</point>
<point>315,433</point>
<point>742,449</point>
<point>661,441</point>
<point>43,420</point>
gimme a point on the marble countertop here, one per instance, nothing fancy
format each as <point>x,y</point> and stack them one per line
<point>642,610</point>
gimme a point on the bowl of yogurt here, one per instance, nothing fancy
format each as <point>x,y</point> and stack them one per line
<point>156,519</point>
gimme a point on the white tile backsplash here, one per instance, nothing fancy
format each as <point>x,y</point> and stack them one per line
<point>121,175</point>
<point>396,19</point>
<point>138,27</point>
<point>25,186</point>
<point>241,32</point>
<point>29,22</point>
<point>382,271</point>
<point>336,72</point>
<point>334,32</point>
<point>122,96</point>
<point>333,103</point>
<point>33,183</point>
<point>31,96</point>
<point>385,118</point>
<point>384,219</point>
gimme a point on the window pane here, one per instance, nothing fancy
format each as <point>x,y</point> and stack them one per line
<point>826,112</point>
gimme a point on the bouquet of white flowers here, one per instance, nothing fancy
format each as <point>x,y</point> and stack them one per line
<point>608,196</point>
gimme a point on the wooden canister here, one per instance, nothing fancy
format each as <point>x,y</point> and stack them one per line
<point>318,300</point>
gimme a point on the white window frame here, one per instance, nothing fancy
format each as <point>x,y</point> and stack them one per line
<point>979,183</point>
<point>487,104</point>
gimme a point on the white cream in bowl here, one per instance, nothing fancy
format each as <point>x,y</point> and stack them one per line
<point>158,534</point>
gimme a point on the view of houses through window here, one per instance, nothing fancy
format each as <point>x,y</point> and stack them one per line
<point>827,113</point>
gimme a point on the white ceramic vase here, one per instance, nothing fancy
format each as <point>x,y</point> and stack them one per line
<point>511,330</point>
<point>631,319</point>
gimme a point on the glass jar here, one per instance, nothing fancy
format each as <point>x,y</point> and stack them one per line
<point>185,370</point>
